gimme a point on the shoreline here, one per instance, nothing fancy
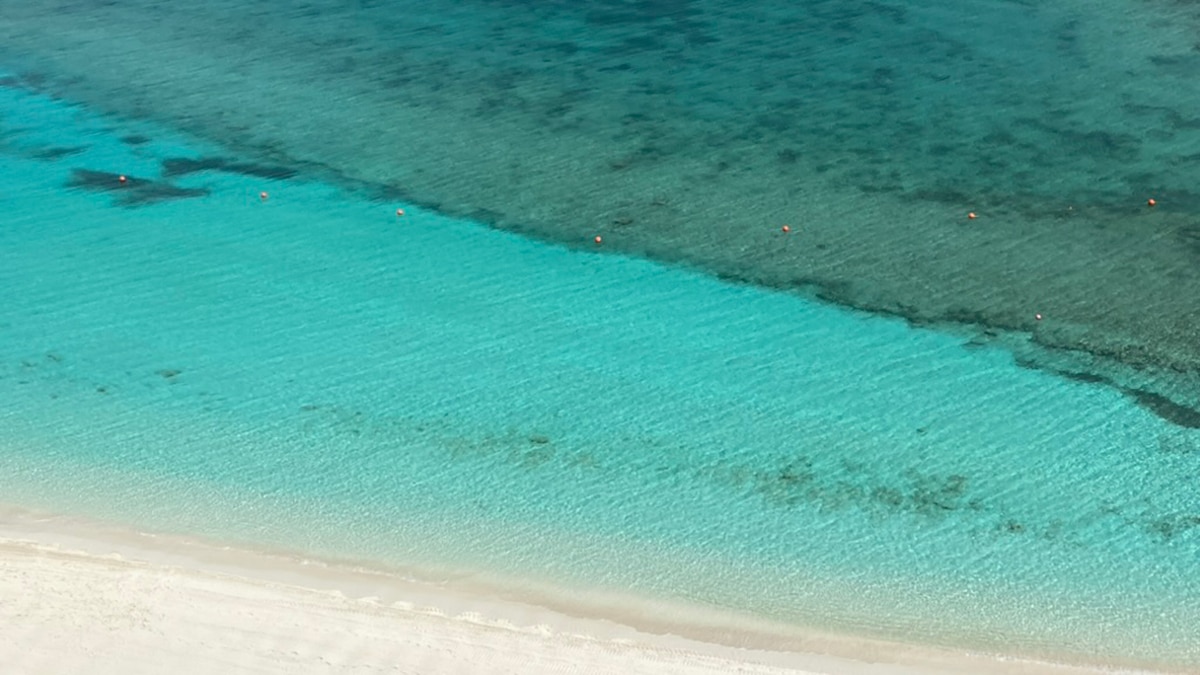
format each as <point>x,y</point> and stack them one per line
<point>74,588</point>
<point>73,564</point>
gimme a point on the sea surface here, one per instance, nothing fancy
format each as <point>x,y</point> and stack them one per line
<point>892,420</point>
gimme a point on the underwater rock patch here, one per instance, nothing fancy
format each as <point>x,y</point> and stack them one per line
<point>54,153</point>
<point>1169,527</point>
<point>133,191</point>
<point>1166,409</point>
<point>182,166</point>
<point>1177,445</point>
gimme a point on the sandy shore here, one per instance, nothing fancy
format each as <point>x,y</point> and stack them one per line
<point>82,597</point>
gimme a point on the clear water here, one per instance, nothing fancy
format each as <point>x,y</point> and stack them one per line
<point>310,371</point>
<point>691,130</point>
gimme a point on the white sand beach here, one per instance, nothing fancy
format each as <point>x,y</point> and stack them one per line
<point>71,613</point>
<point>78,597</point>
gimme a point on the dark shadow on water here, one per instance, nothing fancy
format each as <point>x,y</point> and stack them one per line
<point>828,479</point>
<point>182,166</point>
<point>57,153</point>
<point>133,191</point>
<point>1166,408</point>
<point>1161,406</point>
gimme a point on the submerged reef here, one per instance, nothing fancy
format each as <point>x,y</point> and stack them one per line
<point>182,166</point>
<point>131,191</point>
<point>691,131</point>
<point>827,479</point>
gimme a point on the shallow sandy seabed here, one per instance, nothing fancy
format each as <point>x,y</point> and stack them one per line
<point>76,596</point>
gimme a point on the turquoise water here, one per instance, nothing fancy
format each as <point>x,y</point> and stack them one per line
<point>692,130</point>
<point>310,371</point>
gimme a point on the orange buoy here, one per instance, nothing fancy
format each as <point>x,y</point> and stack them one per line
<point>786,229</point>
<point>971,215</point>
<point>1151,202</point>
<point>121,178</point>
<point>598,239</point>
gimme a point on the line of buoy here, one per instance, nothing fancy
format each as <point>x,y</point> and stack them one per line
<point>971,215</point>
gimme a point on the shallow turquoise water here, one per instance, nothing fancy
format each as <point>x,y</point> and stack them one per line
<point>312,372</point>
<point>691,130</point>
